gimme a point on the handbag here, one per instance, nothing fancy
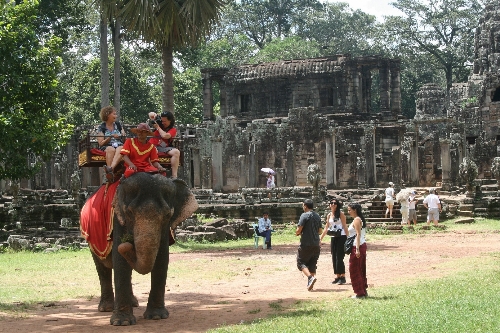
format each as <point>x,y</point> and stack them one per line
<point>349,243</point>
<point>334,232</point>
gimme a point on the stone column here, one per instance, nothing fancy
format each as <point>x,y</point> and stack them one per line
<point>290,164</point>
<point>361,170</point>
<point>206,172</point>
<point>369,158</point>
<point>252,165</point>
<point>414,173</point>
<point>196,158</point>
<point>384,91</point>
<point>208,108</point>
<point>445,164</point>
<point>330,161</point>
<point>356,93</point>
<point>395,90</point>
<point>396,167</point>
<point>217,172</point>
<point>223,100</point>
<point>243,162</point>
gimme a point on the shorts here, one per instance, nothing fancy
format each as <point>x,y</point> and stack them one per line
<point>115,145</point>
<point>412,215</point>
<point>164,149</point>
<point>307,257</point>
<point>389,201</point>
<point>433,214</point>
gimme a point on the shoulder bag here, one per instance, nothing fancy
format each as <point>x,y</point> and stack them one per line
<point>348,245</point>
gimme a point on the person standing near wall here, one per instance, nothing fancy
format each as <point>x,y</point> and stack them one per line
<point>264,229</point>
<point>412,211</point>
<point>309,249</point>
<point>433,205</point>
<point>357,259</point>
<point>336,228</point>
<point>389,199</point>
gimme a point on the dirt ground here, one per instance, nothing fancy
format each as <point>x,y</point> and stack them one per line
<point>197,305</point>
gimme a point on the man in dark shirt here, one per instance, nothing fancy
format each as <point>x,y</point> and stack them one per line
<point>309,249</point>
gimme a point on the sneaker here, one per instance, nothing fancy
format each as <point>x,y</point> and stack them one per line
<point>342,280</point>
<point>358,296</point>
<point>310,283</point>
<point>109,174</point>
<point>336,281</point>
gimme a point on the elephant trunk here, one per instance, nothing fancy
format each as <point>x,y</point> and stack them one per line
<point>142,254</point>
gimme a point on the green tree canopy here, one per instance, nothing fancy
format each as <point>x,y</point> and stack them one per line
<point>31,132</point>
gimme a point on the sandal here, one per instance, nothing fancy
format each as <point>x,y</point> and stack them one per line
<point>109,174</point>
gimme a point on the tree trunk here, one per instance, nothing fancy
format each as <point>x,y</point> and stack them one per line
<point>103,27</point>
<point>449,77</point>
<point>168,78</point>
<point>116,65</point>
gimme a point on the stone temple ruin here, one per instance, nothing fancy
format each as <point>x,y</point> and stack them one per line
<point>342,114</point>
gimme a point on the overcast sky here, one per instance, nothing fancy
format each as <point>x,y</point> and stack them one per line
<point>378,8</point>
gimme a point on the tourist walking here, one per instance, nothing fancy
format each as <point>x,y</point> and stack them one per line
<point>336,228</point>
<point>433,205</point>
<point>357,259</point>
<point>309,249</point>
<point>389,199</point>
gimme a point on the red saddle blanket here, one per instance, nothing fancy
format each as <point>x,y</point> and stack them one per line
<point>96,220</point>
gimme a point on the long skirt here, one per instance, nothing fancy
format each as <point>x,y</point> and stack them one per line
<point>357,271</point>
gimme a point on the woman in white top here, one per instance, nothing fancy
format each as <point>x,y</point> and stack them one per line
<point>357,260</point>
<point>336,228</point>
<point>389,199</point>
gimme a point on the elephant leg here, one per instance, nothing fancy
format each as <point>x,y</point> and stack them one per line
<point>123,314</point>
<point>107,296</point>
<point>156,302</point>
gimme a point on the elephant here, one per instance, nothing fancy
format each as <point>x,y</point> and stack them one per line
<point>145,207</point>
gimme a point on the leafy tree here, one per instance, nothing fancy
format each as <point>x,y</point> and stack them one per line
<point>264,20</point>
<point>31,132</point>
<point>340,29</point>
<point>441,29</point>
<point>170,24</point>
<point>288,48</point>
<point>189,96</point>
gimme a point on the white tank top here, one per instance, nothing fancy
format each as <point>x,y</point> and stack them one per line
<point>352,232</point>
<point>335,224</point>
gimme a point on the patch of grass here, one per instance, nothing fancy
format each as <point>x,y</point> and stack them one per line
<point>277,305</point>
<point>254,311</point>
<point>463,302</point>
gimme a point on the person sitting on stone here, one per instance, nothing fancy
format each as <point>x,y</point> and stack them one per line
<point>140,155</point>
<point>264,229</point>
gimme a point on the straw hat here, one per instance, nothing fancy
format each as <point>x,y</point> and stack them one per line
<point>142,127</point>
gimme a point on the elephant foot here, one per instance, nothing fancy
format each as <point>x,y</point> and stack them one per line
<point>155,313</point>
<point>106,305</point>
<point>120,318</point>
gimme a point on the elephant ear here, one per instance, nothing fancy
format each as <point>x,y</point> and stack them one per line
<point>185,203</point>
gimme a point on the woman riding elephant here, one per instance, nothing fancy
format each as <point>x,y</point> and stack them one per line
<point>145,206</point>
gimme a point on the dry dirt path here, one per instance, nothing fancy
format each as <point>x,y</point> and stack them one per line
<point>257,278</point>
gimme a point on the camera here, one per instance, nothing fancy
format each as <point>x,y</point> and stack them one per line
<point>157,121</point>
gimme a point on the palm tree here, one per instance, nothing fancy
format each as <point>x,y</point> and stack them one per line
<point>169,24</point>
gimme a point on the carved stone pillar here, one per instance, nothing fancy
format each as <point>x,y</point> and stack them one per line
<point>217,172</point>
<point>445,164</point>
<point>223,100</point>
<point>196,158</point>
<point>331,167</point>
<point>206,172</point>
<point>361,171</point>
<point>369,158</point>
<point>414,173</point>
<point>252,165</point>
<point>290,164</point>
<point>208,108</point>
<point>384,91</point>
<point>243,163</point>
<point>396,167</point>
<point>395,90</point>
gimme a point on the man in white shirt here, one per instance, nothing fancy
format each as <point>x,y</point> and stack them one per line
<point>389,199</point>
<point>433,205</point>
<point>412,212</point>
<point>265,229</point>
